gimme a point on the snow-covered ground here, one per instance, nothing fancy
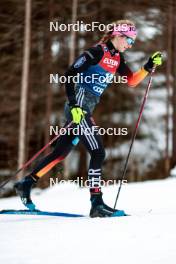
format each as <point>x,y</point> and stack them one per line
<point>148,236</point>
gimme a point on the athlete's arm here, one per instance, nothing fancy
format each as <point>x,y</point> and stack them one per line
<point>133,78</point>
<point>90,57</point>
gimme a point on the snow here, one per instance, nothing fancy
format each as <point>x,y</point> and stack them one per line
<point>173,171</point>
<point>147,236</point>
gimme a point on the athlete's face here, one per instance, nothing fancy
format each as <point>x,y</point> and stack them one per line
<point>121,43</point>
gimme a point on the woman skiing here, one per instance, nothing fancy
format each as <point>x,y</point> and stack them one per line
<point>104,59</point>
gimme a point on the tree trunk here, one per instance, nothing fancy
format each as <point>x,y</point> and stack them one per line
<point>24,84</point>
<point>174,91</point>
<point>168,87</point>
<point>48,61</point>
<point>73,33</point>
<point>71,58</point>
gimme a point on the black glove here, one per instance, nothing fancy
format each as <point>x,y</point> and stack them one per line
<point>155,59</point>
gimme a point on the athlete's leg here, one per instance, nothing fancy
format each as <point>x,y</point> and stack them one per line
<point>64,145</point>
<point>94,145</point>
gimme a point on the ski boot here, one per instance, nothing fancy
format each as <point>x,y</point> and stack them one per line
<point>23,189</point>
<point>100,209</point>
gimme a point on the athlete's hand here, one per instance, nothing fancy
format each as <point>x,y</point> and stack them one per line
<point>155,59</point>
<point>77,114</point>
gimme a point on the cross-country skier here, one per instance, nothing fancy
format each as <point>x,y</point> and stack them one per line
<point>104,59</point>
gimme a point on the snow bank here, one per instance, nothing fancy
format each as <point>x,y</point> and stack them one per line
<point>147,236</point>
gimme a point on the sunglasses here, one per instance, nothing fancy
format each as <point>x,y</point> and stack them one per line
<point>129,40</point>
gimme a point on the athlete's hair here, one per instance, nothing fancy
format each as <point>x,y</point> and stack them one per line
<point>108,34</point>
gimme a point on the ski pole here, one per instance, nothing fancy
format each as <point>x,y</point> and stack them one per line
<point>135,132</point>
<point>24,166</point>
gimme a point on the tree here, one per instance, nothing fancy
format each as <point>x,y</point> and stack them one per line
<point>24,85</point>
<point>174,91</point>
<point>169,86</point>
